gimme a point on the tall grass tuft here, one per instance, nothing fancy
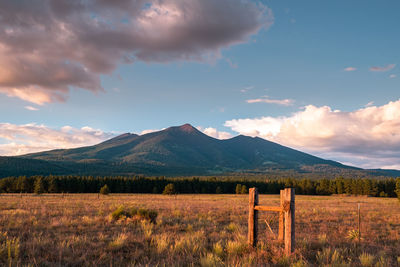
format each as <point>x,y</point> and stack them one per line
<point>299,263</point>
<point>329,257</point>
<point>191,243</point>
<point>322,239</point>
<point>147,229</point>
<point>232,227</point>
<point>211,260</point>
<point>366,259</point>
<point>9,249</point>
<point>383,262</point>
<point>162,242</point>
<point>234,247</point>
<point>119,241</point>
<point>218,249</point>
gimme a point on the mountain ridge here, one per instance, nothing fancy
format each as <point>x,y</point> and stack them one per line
<point>178,150</point>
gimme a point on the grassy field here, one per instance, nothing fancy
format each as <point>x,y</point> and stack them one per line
<point>193,230</point>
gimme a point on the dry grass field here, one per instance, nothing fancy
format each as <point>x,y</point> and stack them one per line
<point>193,230</point>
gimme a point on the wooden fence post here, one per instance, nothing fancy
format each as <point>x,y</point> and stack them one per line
<point>253,217</point>
<point>289,221</point>
<point>281,216</point>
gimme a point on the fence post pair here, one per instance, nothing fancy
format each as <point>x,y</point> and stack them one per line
<point>286,218</point>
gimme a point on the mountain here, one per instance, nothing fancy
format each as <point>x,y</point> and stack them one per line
<point>181,150</point>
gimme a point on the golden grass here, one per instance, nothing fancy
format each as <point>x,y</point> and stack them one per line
<point>197,230</point>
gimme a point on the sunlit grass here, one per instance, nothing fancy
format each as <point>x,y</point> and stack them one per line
<point>192,230</point>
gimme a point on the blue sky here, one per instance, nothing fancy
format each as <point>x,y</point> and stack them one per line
<point>298,51</point>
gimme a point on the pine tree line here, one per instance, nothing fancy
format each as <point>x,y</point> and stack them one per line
<point>389,187</point>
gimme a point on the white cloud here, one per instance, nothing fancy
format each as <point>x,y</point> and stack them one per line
<point>350,69</point>
<point>49,47</point>
<point>31,108</point>
<point>215,133</point>
<point>246,89</point>
<point>266,99</point>
<point>368,137</point>
<point>29,138</point>
<point>391,76</point>
<point>150,131</point>
<point>383,69</point>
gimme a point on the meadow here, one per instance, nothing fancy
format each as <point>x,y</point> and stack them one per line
<point>192,230</point>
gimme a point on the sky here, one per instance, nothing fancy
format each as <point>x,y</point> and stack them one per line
<point>319,76</point>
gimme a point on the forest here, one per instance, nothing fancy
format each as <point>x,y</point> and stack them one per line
<point>387,187</point>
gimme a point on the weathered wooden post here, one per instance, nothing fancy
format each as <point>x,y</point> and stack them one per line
<point>289,220</point>
<point>253,217</point>
<point>281,216</point>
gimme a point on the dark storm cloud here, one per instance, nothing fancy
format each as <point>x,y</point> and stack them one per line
<point>48,46</point>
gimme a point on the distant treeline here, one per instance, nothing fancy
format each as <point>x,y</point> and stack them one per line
<point>87,184</point>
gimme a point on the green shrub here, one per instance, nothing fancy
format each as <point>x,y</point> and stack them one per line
<point>383,194</point>
<point>238,189</point>
<point>244,190</point>
<point>122,212</point>
<point>150,215</point>
<point>169,189</point>
<point>105,190</point>
<point>119,213</point>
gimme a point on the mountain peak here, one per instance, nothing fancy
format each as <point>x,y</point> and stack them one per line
<point>184,129</point>
<point>187,128</point>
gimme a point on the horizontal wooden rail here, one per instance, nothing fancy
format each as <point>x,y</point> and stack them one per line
<point>265,208</point>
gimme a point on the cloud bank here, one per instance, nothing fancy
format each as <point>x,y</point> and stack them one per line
<point>368,137</point>
<point>48,47</point>
<point>29,138</point>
